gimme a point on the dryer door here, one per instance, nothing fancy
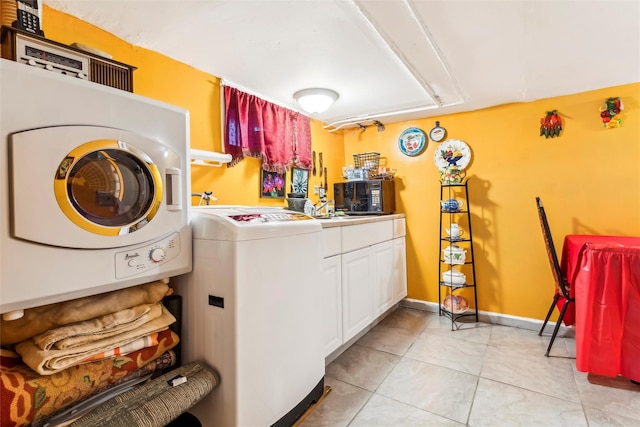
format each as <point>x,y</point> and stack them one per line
<point>93,187</point>
<point>108,187</point>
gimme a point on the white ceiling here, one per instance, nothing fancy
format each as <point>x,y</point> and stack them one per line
<point>389,60</point>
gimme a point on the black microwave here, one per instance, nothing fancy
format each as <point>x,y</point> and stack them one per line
<point>365,197</point>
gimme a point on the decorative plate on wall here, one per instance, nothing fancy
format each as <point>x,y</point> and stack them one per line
<point>438,133</point>
<point>412,141</point>
<point>452,153</point>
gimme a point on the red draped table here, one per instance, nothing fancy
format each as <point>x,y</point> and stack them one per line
<point>605,281</point>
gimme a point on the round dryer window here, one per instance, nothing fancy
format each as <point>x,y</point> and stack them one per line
<point>108,187</point>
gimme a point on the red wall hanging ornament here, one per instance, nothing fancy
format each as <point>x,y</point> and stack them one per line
<point>610,112</point>
<point>551,124</point>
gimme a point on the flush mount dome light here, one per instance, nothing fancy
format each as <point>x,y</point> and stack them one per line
<point>315,100</point>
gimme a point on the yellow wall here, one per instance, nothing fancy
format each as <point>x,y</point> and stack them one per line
<point>170,81</point>
<point>588,178</point>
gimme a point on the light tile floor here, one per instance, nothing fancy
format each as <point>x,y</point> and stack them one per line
<point>412,370</point>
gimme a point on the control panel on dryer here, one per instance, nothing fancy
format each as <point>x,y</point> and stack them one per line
<point>136,261</point>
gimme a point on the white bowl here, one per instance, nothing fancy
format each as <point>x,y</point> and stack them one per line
<point>454,277</point>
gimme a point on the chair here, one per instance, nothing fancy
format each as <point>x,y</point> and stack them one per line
<point>562,285</point>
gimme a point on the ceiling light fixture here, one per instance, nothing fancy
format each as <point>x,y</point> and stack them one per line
<point>315,100</point>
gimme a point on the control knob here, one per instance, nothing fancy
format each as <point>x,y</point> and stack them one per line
<point>157,254</point>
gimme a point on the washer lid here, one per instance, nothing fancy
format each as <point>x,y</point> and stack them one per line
<point>249,223</point>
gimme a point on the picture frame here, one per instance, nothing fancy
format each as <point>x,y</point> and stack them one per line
<point>272,185</point>
<point>300,181</point>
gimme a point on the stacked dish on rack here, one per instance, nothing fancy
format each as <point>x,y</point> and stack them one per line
<point>455,304</point>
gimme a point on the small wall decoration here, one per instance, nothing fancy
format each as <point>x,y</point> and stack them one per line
<point>299,181</point>
<point>610,112</point>
<point>412,141</point>
<point>438,133</point>
<point>272,185</point>
<point>551,124</point>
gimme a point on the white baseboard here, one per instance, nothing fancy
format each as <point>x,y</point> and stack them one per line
<point>495,318</point>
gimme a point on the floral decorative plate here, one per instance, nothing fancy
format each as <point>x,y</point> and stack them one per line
<point>412,141</point>
<point>452,153</point>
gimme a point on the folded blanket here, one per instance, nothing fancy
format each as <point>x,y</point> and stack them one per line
<point>123,350</point>
<point>77,334</point>
<point>39,319</point>
<point>66,415</point>
<point>47,362</point>
<point>155,403</point>
<point>26,396</point>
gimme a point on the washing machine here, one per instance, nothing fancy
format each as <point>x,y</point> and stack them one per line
<point>94,188</point>
<point>254,313</point>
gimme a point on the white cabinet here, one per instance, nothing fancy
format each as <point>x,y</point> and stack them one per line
<point>360,236</point>
<point>357,295</point>
<point>364,275</point>
<point>369,286</point>
<point>383,280</point>
<point>399,268</point>
<point>332,299</point>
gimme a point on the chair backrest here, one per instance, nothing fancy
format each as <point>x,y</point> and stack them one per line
<point>561,283</point>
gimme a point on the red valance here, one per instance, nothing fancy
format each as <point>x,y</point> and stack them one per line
<point>257,128</point>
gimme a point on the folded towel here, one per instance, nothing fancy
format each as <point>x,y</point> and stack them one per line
<point>47,362</point>
<point>39,319</point>
<point>78,334</point>
<point>123,350</point>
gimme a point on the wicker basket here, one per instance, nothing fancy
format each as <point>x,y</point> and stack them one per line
<point>8,12</point>
<point>369,161</point>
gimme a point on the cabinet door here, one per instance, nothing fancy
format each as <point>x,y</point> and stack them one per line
<point>357,294</point>
<point>399,269</point>
<point>332,303</point>
<point>383,278</point>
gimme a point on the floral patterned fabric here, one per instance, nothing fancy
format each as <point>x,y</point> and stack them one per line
<point>26,396</point>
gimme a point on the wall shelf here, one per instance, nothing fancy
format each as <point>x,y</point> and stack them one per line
<point>208,158</point>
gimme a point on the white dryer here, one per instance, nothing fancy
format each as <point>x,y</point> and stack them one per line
<point>254,313</point>
<point>94,188</point>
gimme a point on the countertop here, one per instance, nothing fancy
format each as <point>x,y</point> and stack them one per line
<point>341,221</point>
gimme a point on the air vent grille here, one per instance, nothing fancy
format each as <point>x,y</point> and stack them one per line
<point>110,75</point>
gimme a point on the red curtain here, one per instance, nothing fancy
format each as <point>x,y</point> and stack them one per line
<point>607,290</point>
<point>257,128</point>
